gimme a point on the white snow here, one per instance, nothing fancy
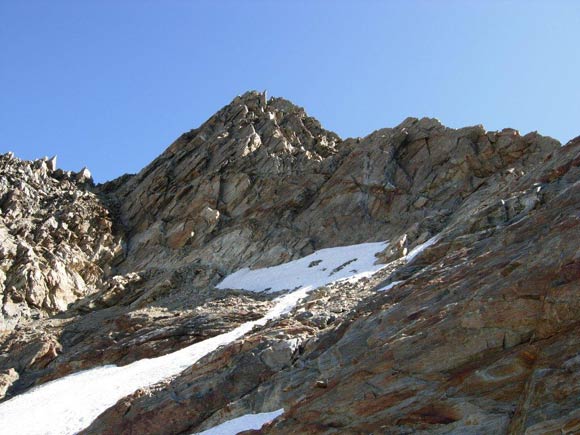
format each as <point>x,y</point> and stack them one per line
<point>389,286</point>
<point>69,404</point>
<point>312,271</point>
<point>420,248</point>
<point>410,256</point>
<point>240,424</point>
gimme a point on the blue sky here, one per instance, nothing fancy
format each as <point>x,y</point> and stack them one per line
<point>110,84</point>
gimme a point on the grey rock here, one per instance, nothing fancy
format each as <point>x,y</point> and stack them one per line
<point>279,355</point>
<point>51,163</point>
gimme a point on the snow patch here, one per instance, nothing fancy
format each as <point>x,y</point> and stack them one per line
<point>243,423</point>
<point>69,404</point>
<point>410,256</point>
<point>315,270</point>
<point>420,248</point>
<point>389,286</point>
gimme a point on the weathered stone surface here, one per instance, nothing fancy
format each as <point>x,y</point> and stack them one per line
<point>477,334</point>
<point>7,378</point>
<point>56,240</point>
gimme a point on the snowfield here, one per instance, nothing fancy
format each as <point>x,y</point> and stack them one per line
<point>70,404</point>
<point>315,270</point>
<point>240,424</point>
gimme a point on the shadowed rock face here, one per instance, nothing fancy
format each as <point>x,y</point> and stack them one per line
<point>479,335</point>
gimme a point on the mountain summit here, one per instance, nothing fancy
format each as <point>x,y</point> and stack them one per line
<point>266,272</point>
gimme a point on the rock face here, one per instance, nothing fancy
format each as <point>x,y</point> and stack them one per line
<point>57,241</point>
<point>478,332</point>
<point>261,183</point>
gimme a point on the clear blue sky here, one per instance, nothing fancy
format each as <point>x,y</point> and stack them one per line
<point>110,84</point>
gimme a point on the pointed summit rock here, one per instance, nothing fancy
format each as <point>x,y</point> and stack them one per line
<point>51,163</point>
<point>84,175</point>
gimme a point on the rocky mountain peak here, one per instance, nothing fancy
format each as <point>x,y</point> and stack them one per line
<point>420,279</point>
<point>251,125</point>
<point>227,170</point>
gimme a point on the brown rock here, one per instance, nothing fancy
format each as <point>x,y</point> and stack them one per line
<point>478,336</point>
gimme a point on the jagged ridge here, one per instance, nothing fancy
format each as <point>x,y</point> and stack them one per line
<point>261,183</point>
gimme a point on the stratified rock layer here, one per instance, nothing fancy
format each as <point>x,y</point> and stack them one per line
<point>478,333</point>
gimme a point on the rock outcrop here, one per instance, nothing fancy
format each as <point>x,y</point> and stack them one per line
<point>56,239</point>
<point>477,333</point>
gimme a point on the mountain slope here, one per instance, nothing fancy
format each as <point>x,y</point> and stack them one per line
<point>476,330</point>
